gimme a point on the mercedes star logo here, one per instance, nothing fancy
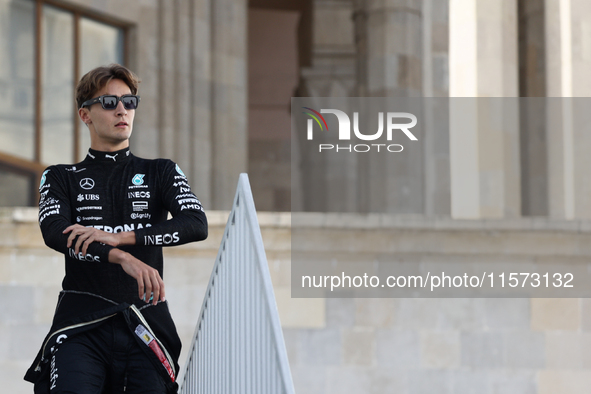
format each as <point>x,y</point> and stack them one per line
<point>87,183</point>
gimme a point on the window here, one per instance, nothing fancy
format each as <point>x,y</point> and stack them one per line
<point>45,47</point>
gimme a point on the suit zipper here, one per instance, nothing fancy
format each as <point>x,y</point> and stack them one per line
<point>66,329</point>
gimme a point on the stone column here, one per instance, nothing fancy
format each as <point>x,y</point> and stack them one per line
<point>394,45</point>
<point>360,33</point>
<point>532,84</point>
<point>332,72</point>
<point>394,48</point>
<point>144,60</point>
<point>228,95</point>
<point>183,64</point>
<point>201,135</point>
<point>183,83</point>
<point>167,78</point>
<point>484,133</point>
<point>435,77</point>
<point>568,60</point>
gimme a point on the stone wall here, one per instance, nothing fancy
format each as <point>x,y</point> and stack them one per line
<point>31,275</point>
<point>344,345</point>
<point>443,345</point>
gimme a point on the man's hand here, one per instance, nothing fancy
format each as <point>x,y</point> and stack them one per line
<point>148,278</point>
<point>88,235</point>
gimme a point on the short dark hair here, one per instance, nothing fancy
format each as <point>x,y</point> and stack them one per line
<point>98,78</point>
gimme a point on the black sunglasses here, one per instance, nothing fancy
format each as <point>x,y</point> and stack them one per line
<point>110,101</point>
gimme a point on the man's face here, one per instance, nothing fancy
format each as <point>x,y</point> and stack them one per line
<point>109,129</point>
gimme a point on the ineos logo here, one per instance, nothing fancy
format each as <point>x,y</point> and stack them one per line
<point>87,183</point>
<point>162,239</point>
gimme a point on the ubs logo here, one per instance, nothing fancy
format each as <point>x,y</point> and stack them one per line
<point>87,183</point>
<point>88,197</point>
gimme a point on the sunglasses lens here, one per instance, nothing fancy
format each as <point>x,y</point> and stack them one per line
<point>129,102</point>
<point>109,102</point>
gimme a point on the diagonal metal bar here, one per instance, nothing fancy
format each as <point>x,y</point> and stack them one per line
<point>238,345</point>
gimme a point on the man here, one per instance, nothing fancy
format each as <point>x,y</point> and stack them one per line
<point>112,331</point>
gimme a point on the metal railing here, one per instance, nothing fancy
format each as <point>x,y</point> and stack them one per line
<point>238,345</point>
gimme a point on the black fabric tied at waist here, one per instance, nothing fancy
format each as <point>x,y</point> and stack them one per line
<point>77,312</point>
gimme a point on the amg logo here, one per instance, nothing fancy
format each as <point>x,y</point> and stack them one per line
<point>161,239</point>
<point>194,207</point>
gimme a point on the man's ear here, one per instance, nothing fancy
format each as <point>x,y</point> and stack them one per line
<point>84,115</point>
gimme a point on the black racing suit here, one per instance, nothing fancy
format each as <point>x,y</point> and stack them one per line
<point>114,192</point>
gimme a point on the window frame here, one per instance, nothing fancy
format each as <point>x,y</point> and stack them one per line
<point>35,167</point>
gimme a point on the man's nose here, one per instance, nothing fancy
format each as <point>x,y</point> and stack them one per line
<point>120,110</point>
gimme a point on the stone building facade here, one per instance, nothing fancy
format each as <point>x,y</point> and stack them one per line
<point>348,345</point>
<point>218,77</point>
